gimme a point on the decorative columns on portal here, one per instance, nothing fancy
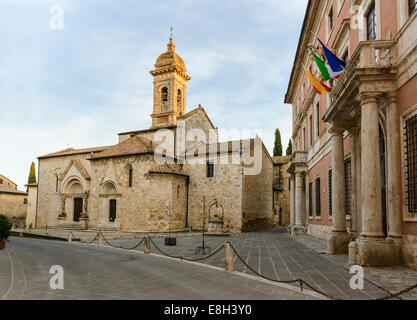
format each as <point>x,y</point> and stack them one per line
<point>373,249</point>
<point>338,239</point>
<point>298,169</point>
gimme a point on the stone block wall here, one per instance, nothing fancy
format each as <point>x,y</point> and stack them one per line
<point>257,202</point>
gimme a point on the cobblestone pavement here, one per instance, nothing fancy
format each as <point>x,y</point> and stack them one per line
<point>98,272</point>
<point>393,279</point>
<point>279,256</point>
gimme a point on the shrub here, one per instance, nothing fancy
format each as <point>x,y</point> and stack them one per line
<point>5,227</point>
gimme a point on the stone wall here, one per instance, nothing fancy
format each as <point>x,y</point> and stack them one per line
<point>257,210</point>
<point>226,186</point>
<point>282,195</point>
<point>409,251</point>
<point>49,199</point>
<point>139,206</point>
<point>319,231</point>
<point>13,205</point>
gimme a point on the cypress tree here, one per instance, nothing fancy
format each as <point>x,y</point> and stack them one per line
<point>289,148</point>
<point>277,144</point>
<point>32,174</point>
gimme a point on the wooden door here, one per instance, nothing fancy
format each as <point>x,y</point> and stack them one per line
<point>112,214</point>
<point>78,208</point>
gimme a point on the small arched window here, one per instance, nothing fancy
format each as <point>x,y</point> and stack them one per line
<point>130,177</point>
<point>179,98</point>
<point>164,94</point>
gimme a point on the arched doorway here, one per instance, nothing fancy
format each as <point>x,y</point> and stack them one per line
<point>382,157</point>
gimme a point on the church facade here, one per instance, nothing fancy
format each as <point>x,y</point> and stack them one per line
<point>176,174</point>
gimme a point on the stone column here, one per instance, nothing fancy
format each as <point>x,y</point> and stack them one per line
<point>370,168</point>
<point>299,204</point>
<point>393,169</point>
<point>338,240</point>
<point>373,248</point>
<point>354,131</point>
<point>292,201</point>
<point>358,192</point>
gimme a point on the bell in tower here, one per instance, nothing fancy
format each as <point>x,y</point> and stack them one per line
<point>170,87</point>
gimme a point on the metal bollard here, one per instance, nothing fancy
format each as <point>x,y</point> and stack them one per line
<point>100,239</point>
<point>228,259</point>
<point>147,247</point>
<point>69,236</point>
<point>190,229</point>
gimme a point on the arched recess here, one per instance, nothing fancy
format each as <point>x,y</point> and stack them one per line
<point>73,186</point>
<point>108,203</point>
<point>74,199</point>
<point>109,188</point>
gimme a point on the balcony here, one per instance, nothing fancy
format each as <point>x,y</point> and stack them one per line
<point>371,68</point>
<point>298,160</point>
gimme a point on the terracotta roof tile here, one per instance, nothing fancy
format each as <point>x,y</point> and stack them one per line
<point>4,189</point>
<point>170,168</point>
<point>72,151</point>
<point>131,146</point>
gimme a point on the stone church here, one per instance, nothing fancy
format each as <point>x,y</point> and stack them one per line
<point>127,187</point>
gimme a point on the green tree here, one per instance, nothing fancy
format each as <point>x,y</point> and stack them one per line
<point>277,144</point>
<point>32,174</point>
<point>289,148</point>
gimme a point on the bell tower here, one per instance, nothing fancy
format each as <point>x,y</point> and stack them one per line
<point>169,88</point>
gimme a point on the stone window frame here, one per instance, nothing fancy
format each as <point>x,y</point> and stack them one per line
<point>317,110</point>
<point>329,191</point>
<point>317,201</point>
<point>304,137</point>
<point>363,12</point>
<point>407,216</point>
<point>348,184</point>
<point>371,23</point>
<point>329,29</point>
<point>310,208</point>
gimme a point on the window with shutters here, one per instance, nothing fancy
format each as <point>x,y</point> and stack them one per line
<point>411,162</point>
<point>348,186</point>
<point>310,199</point>
<point>318,206</point>
<point>329,173</point>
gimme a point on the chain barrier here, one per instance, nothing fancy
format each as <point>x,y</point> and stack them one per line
<point>397,295</point>
<point>184,258</point>
<point>95,238</point>
<point>299,281</point>
<point>120,247</point>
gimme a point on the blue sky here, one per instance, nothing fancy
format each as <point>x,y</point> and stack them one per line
<point>81,85</point>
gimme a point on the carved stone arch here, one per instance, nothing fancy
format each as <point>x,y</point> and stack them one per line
<point>109,188</point>
<point>73,185</point>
